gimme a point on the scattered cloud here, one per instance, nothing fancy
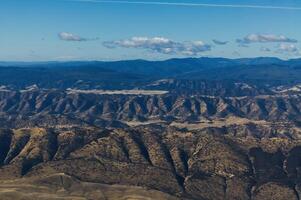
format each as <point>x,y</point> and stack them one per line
<point>287,48</point>
<point>66,36</point>
<point>265,38</point>
<point>218,42</point>
<point>70,37</point>
<point>191,4</point>
<point>265,49</point>
<point>161,45</point>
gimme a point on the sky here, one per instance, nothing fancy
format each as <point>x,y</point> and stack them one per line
<point>63,30</point>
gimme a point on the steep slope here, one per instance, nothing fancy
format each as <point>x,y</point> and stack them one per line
<point>202,164</point>
<point>55,107</point>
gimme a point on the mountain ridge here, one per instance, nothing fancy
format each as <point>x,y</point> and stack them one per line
<point>138,73</point>
<point>189,129</point>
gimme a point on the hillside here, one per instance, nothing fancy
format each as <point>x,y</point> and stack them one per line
<point>203,164</point>
<point>189,129</point>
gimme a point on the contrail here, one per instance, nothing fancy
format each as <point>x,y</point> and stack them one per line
<point>191,4</point>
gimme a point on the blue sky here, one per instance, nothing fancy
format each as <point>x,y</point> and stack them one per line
<point>41,30</point>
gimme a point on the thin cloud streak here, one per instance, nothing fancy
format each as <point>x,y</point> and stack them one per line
<point>191,4</point>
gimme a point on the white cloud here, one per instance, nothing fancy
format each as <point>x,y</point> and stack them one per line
<point>161,45</point>
<point>287,48</point>
<point>265,38</point>
<point>71,37</point>
<point>218,42</point>
<point>265,49</point>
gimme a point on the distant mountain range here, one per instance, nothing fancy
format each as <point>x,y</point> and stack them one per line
<point>139,73</point>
